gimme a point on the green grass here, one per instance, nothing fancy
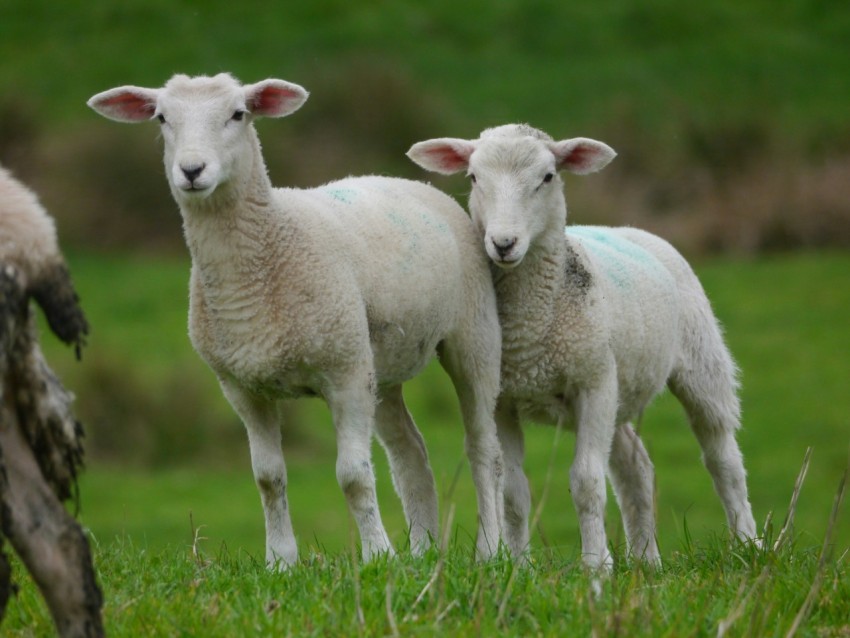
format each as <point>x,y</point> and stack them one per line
<point>162,440</point>
<point>190,591</point>
<point>784,318</point>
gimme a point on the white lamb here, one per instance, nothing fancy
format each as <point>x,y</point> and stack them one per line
<point>594,325</point>
<point>343,291</point>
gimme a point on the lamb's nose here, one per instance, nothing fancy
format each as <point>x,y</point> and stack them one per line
<point>193,171</point>
<point>503,246</point>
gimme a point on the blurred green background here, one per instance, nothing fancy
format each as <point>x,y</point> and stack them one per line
<point>731,122</point>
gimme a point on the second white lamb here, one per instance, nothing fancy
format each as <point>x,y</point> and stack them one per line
<point>595,324</point>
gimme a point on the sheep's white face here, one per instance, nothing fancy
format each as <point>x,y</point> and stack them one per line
<point>204,131</point>
<point>205,124</point>
<point>517,195</point>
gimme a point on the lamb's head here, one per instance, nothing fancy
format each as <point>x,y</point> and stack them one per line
<point>206,125</point>
<point>517,195</point>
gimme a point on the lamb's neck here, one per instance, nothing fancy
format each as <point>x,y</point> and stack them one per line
<point>237,227</point>
<point>531,291</point>
<point>527,300</point>
<point>229,241</point>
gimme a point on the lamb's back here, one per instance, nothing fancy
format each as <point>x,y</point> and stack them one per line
<point>408,251</point>
<point>635,271</point>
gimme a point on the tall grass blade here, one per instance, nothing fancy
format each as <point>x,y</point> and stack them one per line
<point>389,600</point>
<point>826,551</point>
<point>503,604</point>
<point>788,525</point>
<point>438,566</point>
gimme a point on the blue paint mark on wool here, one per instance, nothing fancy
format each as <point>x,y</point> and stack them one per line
<point>411,246</point>
<point>622,261</point>
<point>344,195</point>
<point>399,220</point>
<point>437,224</point>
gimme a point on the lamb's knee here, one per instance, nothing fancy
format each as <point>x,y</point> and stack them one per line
<point>355,478</point>
<point>587,485</point>
<point>488,457</point>
<point>271,487</point>
<point>517,498</point>
<point>721,454</point>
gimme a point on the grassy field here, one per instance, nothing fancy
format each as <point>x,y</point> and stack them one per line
<point>782,316</point>
<point>706,590</point>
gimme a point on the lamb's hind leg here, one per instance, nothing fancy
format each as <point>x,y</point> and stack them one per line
<point>262,423</point>
<point>710,399</point>
<point>475,374</point>
<point>352,402</point>
<point>517,493</point>
<point>632,478</point>
<point>411,472</point>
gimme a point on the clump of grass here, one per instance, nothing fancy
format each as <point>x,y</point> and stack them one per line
<point>775,587</point>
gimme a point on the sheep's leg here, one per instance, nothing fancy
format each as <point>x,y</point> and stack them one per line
<point>706,385</point>
<point>596,411</point>
<point>475,375</point>
<point>262,423</point>
<point>714,423</point>
<point>517,493</point>
<point>411,472</point>
<point>724,461</point>
<point>707,388</point>
<point>632,478</point>
<point>352,405</point>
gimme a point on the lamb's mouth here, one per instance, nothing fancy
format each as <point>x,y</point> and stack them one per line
<point>193,190</point>
<point>508,263</point>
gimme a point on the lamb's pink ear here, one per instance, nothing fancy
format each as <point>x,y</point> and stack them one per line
<point>274,98</point>
<point>582,155</point>
<point>126,103</point>
<point>445,155</point>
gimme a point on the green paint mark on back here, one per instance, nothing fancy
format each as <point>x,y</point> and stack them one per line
<point>623,261</point>
<point>344,195</point>
<point>434,222</point>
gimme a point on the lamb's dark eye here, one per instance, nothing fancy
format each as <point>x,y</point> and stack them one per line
<point>548,178</point>
<point>472,177</point>
<point>238,115</point>
<point>161,118</point>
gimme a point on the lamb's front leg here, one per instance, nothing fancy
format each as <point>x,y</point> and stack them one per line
<point>596,412</point>
<point>352,403</point>
<point>262,423</point>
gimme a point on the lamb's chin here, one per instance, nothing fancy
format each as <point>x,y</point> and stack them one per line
<point>508,262</point>
<point>193,196</point>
